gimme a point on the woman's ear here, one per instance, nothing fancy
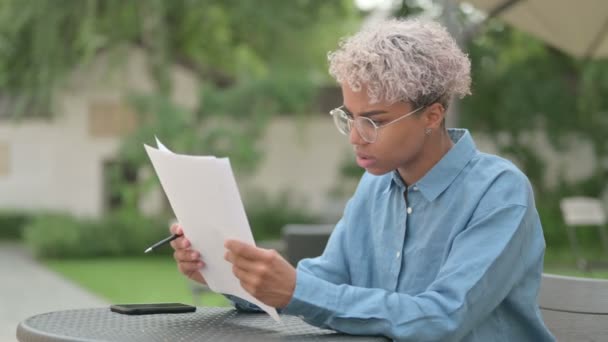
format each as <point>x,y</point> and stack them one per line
<point>434,115</point>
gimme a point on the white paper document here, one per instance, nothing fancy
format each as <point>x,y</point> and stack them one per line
<point>205,199</point>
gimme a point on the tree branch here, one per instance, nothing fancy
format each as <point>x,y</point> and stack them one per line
<point>473,30</point>
<point>218,78</point>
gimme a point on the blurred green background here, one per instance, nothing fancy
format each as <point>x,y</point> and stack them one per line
<point>248,65</point>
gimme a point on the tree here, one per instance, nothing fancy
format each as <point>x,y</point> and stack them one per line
<point>221,41</point>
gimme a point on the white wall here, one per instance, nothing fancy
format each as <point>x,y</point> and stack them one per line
<point>52,167</point>
<point>302,157</point>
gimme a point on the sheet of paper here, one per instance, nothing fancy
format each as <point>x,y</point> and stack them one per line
<point>160,145</point>
<point>205,199</point>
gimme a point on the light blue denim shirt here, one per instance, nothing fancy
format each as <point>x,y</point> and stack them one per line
<point>458,256</point>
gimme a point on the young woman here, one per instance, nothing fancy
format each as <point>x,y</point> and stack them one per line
<point>440,242</point>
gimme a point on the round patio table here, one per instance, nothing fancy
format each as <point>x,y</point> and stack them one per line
<point>206,324</point>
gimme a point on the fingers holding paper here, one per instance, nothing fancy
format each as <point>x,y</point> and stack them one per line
<point>188,261</point>
<point>264,273</point>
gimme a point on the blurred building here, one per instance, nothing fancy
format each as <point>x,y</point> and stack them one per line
<point>62,164</point>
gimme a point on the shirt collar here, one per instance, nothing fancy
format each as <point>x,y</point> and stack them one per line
<point>436,180</point>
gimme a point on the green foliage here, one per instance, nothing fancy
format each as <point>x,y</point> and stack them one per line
<point>553,224</point>
<point>521,87</point>
<point>592,111</point>
<point>268,216</point>
<point>148,279</point>
<point>126,233</point>
<point>220,41</point>
<point>120,234</point>
<point>226,124</point>
<point>31,63</point>
<point>55,235</point>
<point>11,225</point>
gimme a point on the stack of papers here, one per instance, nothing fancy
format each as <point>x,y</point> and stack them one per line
<point>205,199</point>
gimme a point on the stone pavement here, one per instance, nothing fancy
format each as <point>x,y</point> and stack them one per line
<point>28,288</point>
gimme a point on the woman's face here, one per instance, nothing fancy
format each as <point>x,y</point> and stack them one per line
<point>398,145</point>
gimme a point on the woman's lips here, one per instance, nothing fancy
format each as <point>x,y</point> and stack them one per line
<point>365,161</point>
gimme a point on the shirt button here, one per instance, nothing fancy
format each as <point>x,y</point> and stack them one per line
<point>398,254</point>
<point>415,188</point>
<point>409,210</point>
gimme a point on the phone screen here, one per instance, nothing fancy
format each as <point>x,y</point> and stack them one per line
<point>151,308</point>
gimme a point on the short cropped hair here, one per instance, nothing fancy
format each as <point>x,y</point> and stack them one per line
<point>411,60</point>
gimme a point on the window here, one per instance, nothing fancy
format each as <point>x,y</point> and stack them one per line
<point>107,119</point>
<point>116,175</point>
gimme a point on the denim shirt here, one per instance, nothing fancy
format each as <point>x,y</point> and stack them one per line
<point>457,256</point>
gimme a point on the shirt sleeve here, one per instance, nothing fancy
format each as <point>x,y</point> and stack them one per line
<point>330,266</point>
<point>486,260</point>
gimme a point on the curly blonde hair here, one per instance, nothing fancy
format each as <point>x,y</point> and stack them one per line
<point>410,60</point>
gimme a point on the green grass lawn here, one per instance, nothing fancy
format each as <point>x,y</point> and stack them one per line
<point>561,270</point>
<point>562,261</point>
<point>133,280</point>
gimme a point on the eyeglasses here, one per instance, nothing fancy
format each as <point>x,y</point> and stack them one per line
<point>367,128</point>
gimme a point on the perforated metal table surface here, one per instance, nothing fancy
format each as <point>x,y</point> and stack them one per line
<point>206,324</point>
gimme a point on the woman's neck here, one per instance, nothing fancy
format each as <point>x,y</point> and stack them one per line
<point>434,149</point>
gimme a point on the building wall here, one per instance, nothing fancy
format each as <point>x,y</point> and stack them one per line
<point>302,158</point>
<point>58,165</point>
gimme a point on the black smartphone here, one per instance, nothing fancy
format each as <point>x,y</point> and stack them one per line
<point>151,308</point>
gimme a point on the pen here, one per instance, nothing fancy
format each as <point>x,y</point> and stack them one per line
<point>162,242</point>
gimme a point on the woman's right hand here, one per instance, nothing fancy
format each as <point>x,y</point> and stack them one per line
<point>188,261</point>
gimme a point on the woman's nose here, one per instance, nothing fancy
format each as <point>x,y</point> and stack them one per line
<point>354,137</point>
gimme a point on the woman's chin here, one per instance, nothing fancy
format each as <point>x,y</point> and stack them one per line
<point>376,171</point>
